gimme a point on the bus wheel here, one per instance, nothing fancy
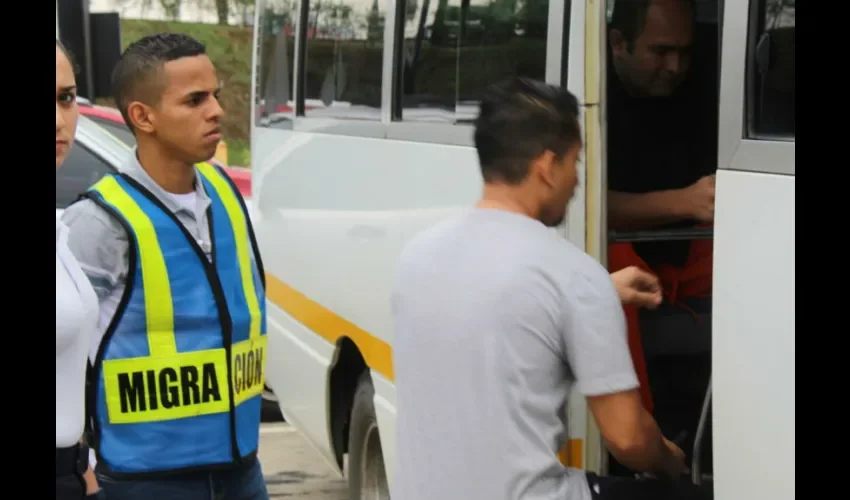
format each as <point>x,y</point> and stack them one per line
<point>367,478</point>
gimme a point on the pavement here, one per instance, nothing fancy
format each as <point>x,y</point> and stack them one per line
<point>293,469</point>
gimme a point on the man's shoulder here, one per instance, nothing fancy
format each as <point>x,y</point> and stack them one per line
<point>86,214</point>
<point>92,231</point>
<point>99,243</point>
<point>431,236</point>
<point>589,285</point>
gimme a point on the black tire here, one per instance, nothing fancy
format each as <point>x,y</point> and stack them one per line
<point>367,478</point>
<point>270,410</point>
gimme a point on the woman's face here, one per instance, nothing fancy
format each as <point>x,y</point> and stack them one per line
<point>66,106</point>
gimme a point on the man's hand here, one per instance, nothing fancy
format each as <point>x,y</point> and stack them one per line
<point>638,287</point>
<point>699,198</point>
<point>675,464</point>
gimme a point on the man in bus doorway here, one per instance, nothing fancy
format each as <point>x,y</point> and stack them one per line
<point>497,318</point>
<point>662,155</point>
<point>177,366</point>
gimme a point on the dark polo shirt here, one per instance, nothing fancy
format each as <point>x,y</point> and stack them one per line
<point>665,143</point>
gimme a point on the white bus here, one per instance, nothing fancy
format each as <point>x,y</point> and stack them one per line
<point>362,137</point>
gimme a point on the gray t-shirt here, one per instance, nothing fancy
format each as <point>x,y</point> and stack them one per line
<point>496,317</point>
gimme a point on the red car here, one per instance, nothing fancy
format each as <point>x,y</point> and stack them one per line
<point>111,120</point>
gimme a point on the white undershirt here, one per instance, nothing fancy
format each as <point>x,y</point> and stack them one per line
<point>186,201</point>
<point>76,320</point>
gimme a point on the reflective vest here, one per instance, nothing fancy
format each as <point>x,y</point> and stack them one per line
<point>178,379</point>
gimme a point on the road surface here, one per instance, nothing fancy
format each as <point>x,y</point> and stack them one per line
<point>293,469</point>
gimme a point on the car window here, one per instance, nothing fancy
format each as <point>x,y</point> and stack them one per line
<point>81,169</point>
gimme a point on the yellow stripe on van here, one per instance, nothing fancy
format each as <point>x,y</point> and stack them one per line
<point>329,325</point>
<point>377,353</point>
<point>572,454</point>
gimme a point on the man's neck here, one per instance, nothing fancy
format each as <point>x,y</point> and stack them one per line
<point>507,198</point>
<point>174,176</point>
<point>619,78</point>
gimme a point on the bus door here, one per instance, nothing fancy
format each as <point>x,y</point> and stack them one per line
<point>671,346</point>
<point>573,61</point>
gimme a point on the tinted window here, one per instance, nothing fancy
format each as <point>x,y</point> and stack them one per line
<point>772,60</point>
<point>275,106</point>
<point>81,169</point>
<point>344,59</point>
<point>452,50</point>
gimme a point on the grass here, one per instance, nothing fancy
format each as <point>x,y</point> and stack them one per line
<point>229,47</point>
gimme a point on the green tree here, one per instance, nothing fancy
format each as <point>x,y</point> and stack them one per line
<point>222,10</point>
<point>171,8</point>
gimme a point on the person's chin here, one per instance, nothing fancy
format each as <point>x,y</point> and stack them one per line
<point>203,155</point>
<point>664,90</point>
<point>555,221</point>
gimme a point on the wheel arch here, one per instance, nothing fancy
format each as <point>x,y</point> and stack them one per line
<point>346,369</point>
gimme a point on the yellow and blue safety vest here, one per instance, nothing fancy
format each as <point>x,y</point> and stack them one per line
<point>178,379</point>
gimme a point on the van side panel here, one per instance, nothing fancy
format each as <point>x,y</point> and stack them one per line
<point>332,215</point>
<point>754,336</point>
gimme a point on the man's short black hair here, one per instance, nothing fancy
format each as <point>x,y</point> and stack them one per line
<point>629,18</point>
<point>518,121</point>
<point>134,76</point>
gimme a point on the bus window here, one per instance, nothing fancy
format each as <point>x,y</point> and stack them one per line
<point>275,101</point>
<point>453,49</point>
<point>772,85</point>
<point>344,55</point>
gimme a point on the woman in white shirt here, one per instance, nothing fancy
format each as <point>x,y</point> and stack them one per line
<point>76,318</point>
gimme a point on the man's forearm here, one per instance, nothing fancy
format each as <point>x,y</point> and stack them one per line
<point>91,481</point>
<point>90,478</point>
<point>651,454</point>
<point>633,212</point>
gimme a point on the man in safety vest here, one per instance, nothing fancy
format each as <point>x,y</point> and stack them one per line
<point>178,365</point>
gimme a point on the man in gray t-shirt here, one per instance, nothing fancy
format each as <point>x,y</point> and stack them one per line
<point>497,318</point>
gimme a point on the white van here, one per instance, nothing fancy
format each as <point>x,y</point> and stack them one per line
<point>362,137</point>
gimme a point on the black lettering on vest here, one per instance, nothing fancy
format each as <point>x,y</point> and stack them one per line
<point>189,385</point>
<point>148,390</point>
<point>249,377</point>
<point>211,389</point>
<point>152,395</point>
<point>248,370</point>
<point>169,391</point>
<point>258,366</point>
<point>237,374</point>
<point>132,392</point>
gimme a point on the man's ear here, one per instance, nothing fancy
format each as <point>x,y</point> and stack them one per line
<point>140,116</point>
<point>544,168</point>
<point>619,45</point>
